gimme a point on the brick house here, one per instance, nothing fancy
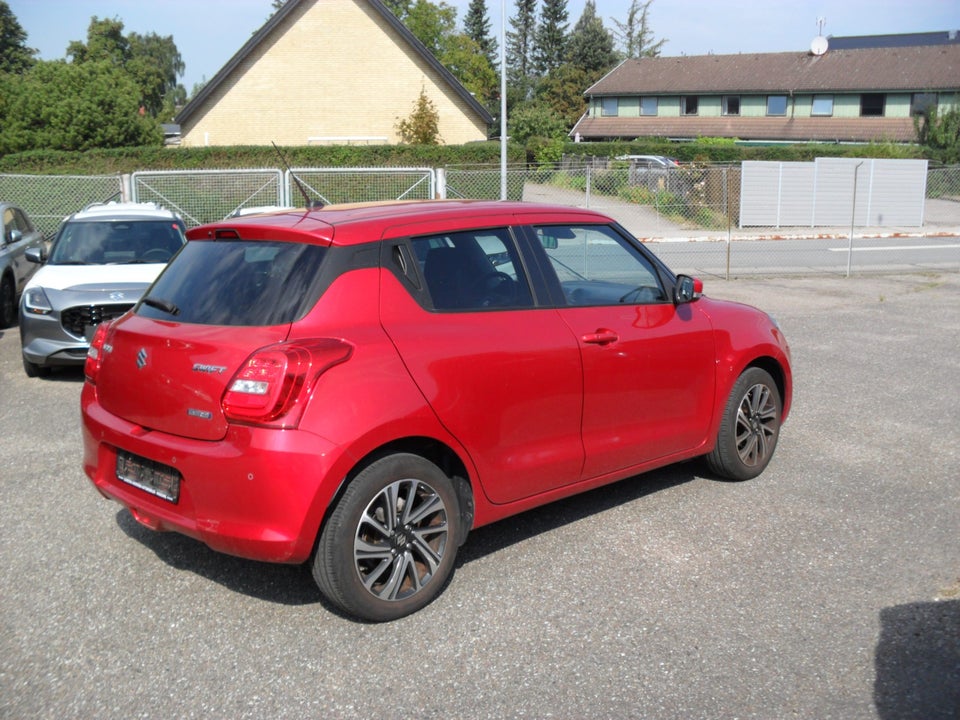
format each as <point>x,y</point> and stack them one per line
<point>839,95</point>
<point>328,72</point>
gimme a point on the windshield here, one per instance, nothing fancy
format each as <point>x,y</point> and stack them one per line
<point>236,282</point>
<point>116,242</point>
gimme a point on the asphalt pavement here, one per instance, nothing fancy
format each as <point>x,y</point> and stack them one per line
<point>829,587</point>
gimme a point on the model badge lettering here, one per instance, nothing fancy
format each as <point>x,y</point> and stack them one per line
<point>200,367</point>
<point>202,414</point>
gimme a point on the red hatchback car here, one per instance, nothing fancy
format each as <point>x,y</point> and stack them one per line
<point>359,386</point>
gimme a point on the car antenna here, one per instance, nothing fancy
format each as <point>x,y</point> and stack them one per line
<point>303,191</point>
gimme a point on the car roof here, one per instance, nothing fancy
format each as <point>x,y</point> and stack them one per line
<point>357,223</point>
<point>123,211</point>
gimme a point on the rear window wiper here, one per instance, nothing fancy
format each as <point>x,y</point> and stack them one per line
<point>160,304</point>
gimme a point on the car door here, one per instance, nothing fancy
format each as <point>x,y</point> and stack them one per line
<point>15,220</point>
<point>648,365</point>
<point>502,375</point>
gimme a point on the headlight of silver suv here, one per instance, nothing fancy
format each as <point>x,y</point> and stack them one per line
<point>35,302</point>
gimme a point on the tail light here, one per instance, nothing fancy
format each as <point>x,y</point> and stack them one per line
<point>274,384</point>
<point>98,346</point>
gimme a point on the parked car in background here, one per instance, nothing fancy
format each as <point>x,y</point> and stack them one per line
<point>19,235</point>
<point>658,162</point>
<point>360,386</point>
<point>100,262</point>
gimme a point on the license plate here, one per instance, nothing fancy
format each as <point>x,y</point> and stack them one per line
<point>152,477</point>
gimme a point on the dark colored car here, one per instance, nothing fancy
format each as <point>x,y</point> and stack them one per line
<point>360,386</point>
<point>19,236</point>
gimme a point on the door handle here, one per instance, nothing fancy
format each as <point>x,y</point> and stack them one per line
<point>601,337</point>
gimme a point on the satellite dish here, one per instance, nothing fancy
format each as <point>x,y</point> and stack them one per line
<point>819,45</point>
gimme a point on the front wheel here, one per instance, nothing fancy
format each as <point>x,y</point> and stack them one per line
<point>749,428</point>
<point>8,303</point>
<point>389,546</point>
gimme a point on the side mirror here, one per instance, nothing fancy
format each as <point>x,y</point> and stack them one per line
<point>36,255</point>
<point>687,289</point>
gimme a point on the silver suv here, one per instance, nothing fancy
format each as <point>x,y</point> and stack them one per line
<point>100,263</point>
<point>19,235</point>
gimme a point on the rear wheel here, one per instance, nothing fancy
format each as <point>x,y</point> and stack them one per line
<point>749,428</point>
<point>389,546</point>
<point>8,305</point>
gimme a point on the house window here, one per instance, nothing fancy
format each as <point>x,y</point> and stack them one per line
<point>649,106</point>
<point>822,105</point>
<point>730,104</point>
<point>688,104</point>
<point>609,107</point>
<point>923,103</point>
<point>776,105</point>
<point>871,104</point>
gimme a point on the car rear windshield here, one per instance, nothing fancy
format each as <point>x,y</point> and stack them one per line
<point>236,282</point>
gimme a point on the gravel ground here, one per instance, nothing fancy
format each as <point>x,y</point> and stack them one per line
<point>827,588</point>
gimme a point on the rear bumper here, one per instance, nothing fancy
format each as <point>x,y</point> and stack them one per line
<point>258,493</point>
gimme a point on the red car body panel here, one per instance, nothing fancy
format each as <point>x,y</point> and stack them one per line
<point>534,403</point>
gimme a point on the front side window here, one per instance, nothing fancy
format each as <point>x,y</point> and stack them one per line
<point>595,265</point>
<point>776,105</point>
<point>609,107</point>
<point>649,106</point>
<point>730,105</point>
<point>473,270</point>
<point>871,104</point>
<point>822,105</point>
<point>689,104</point>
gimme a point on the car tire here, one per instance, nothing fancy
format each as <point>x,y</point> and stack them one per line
<point>389,546</point>
<point>33,370</point>
<point>749,428</point>
<point>8,303</point>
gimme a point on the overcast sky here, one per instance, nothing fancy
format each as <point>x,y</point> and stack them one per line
<point>209,32</point>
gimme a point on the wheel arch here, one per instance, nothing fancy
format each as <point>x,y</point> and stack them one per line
<point>776,370</point>
<point>430,449</point>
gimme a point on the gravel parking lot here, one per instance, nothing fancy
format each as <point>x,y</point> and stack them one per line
<point>827,588</point>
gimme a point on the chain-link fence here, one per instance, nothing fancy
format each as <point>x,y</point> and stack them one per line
<point>690,215</point>
<point>47,199</point>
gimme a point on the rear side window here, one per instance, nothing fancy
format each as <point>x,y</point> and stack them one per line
<point>236,282</point>
<point>473,270</point>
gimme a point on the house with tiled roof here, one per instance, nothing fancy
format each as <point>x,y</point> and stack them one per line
<point>823,95</point>
<point>323,72</point>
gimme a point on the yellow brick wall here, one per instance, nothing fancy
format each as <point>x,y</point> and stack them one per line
<point>331,69</point>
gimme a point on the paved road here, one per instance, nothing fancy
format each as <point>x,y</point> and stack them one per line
<point>827,588</point>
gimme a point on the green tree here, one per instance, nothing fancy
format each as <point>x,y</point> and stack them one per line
<point>422,127</point>
<point>536,120</point>
<point>15,56</point>
<point>74,106</point>
<point>400,8</point>
<point>152,61</point>
<point>939,132</point>
<point>476,26</point>
<point>434,24</point>
<point>550,39</point>
<point>520,48</point>
<point>465,59</point>
<point>635,34</point>
<point>590,46</point>
<point>562,91</point>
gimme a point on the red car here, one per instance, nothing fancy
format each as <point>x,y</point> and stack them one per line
<point>359,386</point>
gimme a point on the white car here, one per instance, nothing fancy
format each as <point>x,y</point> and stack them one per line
<point>100,263</point>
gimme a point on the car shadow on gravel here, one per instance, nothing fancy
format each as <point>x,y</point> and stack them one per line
<point>273,582</point>
<point>917,662</point>
<point>293,584</point>
<point>518,528</point>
